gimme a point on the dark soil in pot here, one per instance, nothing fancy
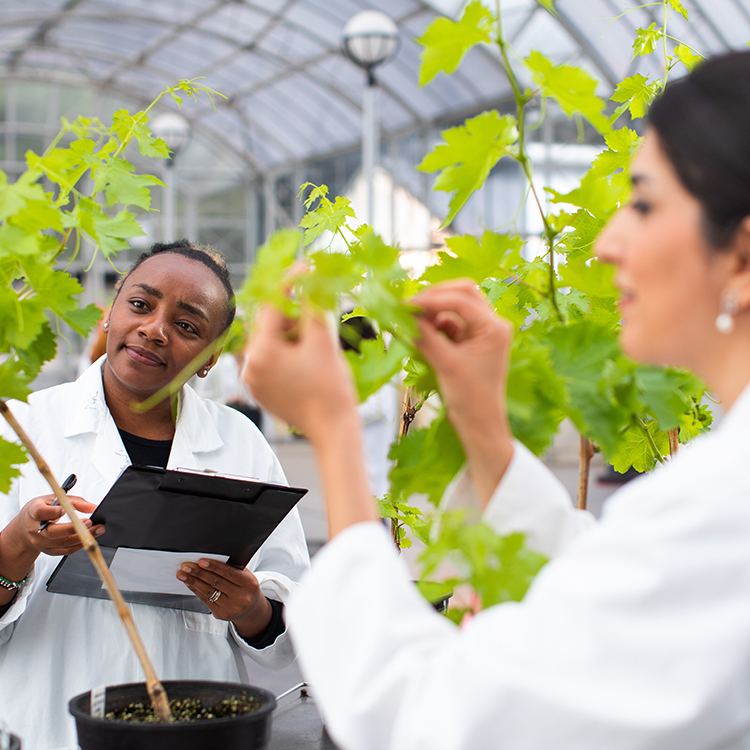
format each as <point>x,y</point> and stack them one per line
<point>248,731</point>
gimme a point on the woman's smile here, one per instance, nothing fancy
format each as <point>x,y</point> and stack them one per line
<point>143,356</point>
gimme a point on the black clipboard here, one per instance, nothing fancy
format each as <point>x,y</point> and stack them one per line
<point>177,511</point>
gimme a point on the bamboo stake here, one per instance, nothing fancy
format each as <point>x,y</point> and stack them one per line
<point>155,689</point>
<point>674,442</point>
<point>584,467</point>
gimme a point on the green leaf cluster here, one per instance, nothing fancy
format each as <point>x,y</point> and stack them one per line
<point>40,228</point>
<point>498,568</point>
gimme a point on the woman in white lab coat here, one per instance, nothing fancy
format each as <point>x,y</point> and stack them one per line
<point>637,632</point>
<point>175,302</point>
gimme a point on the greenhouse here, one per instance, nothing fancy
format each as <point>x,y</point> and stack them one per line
<point>365,359</point>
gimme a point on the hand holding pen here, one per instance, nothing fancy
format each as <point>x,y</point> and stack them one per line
<point>66,486</point>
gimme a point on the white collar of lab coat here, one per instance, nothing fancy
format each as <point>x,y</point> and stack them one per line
<point>195,432</point>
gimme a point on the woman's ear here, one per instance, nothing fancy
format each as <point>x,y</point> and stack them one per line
<point>741,274</point>
<point>209,363</point>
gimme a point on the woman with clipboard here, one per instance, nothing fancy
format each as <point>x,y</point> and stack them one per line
<point>174,302</point>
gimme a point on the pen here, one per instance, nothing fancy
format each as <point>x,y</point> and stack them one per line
<point>67,486</point>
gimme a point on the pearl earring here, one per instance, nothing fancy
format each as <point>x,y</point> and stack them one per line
<point>105,326</point>
<point>205,372</point>
<point>729,308</point>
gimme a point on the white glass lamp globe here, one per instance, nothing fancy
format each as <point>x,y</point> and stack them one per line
<point>370,38</point>
<point>173,129</point>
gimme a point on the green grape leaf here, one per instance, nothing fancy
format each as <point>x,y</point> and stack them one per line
<point>113,233</point>
<point>41,350</point>
<point>373,252</point>
<point>385,297</point>
<point>426,460</point>
<point>15,197</point>
<point>446,42</point>
<point>38,216</point>
<point>598,195</point>
<point>265,279</point>
<point>120,185</point>
<point>695,422</point>
<point>636,94</point>
<point>578,243</point>
<point>375,365</point>
<point>420,376</point>
<point>591,277</point>
<point>61,165</point>
<point>635,449</point>
<point>326,217</point>
<point>498,568</point>
<point>679,7</point>
<point>579,352</point>
<point>14,382</point>
<point>126,127</point>
<point>12,455</point>
<point>534,394</point>
<point>16,241</point>
<point>571,87</point>
<point>647,39</point>
<point>468,154</point>
<point>687,56</point>
<point>504,299</point>
<point>467,258</point>
<point>622,144</point>
<point>660,391</point>
<point>329,276</point>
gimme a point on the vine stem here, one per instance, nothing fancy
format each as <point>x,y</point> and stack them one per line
<point>521,102</point>
<point>408,413</point>
<point>155,689</point>
<point>584,469</point>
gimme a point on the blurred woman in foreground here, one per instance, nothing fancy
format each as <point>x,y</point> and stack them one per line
<point>637,633</point>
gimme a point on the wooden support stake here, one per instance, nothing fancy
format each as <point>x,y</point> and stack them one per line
<point>584,467</point>
<point>674,442</point>
<point>155,689</point>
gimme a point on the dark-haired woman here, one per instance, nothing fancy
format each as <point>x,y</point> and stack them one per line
<point>637,632</point>
<point>170,307</point>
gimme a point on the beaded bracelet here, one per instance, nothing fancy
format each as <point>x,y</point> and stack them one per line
<point>12,585</point>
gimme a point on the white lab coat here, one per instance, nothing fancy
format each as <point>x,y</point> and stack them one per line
<point>635,635</point>
<point>54,646</point>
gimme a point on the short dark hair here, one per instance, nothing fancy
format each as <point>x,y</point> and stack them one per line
<point>209,257</point>
<point>702,125</point>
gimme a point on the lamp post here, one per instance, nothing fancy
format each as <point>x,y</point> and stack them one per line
<point>370,38</point>
<point>175,131</point>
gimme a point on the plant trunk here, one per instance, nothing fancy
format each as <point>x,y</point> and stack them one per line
<point>674,442</point>
<point>407,417</point>
<point>155,689</point>
<point>584,467</point>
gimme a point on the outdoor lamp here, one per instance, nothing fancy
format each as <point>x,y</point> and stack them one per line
<point>174,130</point>
<point>369,39</point>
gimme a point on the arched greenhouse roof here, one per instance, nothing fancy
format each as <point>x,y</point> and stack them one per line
<point>292,95</point>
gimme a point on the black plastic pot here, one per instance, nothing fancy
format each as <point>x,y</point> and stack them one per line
<point>245,732</point>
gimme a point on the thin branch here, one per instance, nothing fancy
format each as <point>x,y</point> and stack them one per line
<point>154,687</point>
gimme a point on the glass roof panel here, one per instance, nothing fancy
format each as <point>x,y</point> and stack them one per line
<point>280,62</point>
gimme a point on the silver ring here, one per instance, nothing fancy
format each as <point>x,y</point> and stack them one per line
<point>215,596</point>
